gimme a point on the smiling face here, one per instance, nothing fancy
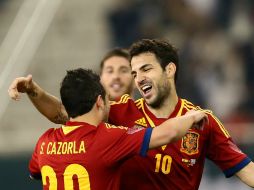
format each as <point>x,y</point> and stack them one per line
<point>116,77</point>
<point>151,80</point>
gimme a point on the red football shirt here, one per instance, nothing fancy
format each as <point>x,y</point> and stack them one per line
<point>177,166</point>
<point>80,156</point>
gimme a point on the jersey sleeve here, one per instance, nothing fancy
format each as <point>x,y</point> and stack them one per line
<point>223,151</point>
<point>121,142</point>
<point>34,168</point>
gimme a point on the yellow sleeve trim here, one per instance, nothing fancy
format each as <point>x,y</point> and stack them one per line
<point>190,106</point>
<point>223,129</point>
<point>139,103</point>
<point>110,126</point>
<point>181,108</point>
<point>124,99</point>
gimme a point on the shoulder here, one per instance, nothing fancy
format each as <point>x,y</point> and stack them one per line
<point>214,123</point>
<point>113,128</point>
<point>139,103</point>
<point>108,134</point>
<point>48,133</point>
<point>187,105</point>
<point>124,99</point>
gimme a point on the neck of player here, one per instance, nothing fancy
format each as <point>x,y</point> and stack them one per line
<point>92,118</point>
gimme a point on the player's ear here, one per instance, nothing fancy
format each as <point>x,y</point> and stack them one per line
<point>170,70</point>
<point>100,102</point>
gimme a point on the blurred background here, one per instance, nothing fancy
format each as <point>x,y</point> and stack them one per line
<point>45,38</point>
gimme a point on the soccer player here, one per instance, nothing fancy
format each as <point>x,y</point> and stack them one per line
<point>87,153</point>
<point>115,73</point>
<point>180,165</point>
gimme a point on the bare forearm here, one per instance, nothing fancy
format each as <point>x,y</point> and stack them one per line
<point>47,104</point>
<point>171,130</point>
<point>246,174</point>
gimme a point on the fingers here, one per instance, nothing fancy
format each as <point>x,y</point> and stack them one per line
<point>29,78</point>
<point>13,90</point>
<point>19,85</point>
<point>201,119</point>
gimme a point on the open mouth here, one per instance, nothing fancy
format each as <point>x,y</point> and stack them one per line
<point>116,86</point>
<point>146,88</point>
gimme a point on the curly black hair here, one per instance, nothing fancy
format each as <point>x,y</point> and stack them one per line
<point>79,91</point>
<point>162,49</point>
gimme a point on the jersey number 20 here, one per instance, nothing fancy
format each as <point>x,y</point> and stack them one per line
<point>70,170</point>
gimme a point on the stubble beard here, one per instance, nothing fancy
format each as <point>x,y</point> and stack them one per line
<point>163,94</point>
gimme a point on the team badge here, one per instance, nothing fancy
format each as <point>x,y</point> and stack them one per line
<point>190,143</point>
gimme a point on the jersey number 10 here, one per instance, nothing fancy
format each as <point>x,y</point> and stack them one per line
<point>163,163</point>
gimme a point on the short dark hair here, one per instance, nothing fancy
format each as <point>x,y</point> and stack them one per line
<point>119,52</point>
<point>79,91</point>
<point>162,49</point>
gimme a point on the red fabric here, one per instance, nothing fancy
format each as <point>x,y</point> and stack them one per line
<point>106,147</point>
<point>184,171</point>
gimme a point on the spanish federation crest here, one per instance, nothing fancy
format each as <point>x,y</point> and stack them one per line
<point>190,143</point>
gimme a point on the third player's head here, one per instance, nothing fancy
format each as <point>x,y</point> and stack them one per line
<point>81,92</point>
<point>116,73</point>
<point>154,65</point>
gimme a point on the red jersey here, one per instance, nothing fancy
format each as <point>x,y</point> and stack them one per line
<point>82,156</point>
<point>179,165</point>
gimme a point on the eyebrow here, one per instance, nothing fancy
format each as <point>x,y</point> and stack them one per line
<point>142,67</point>
<point>106,67</point>
<point>145,65</point>
<point>124,66</point>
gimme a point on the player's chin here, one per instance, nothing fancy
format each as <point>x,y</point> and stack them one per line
<point>115,96</point>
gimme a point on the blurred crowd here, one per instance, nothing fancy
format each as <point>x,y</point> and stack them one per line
<point>216,47</point>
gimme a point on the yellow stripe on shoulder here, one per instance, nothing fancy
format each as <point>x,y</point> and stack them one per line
<point>139,103</point>
<point>124,99</point>
<point>188,105</point>
<point>187,102</point>
<point>110,126</point>
<point>181,108</point>
<point>222,128</point>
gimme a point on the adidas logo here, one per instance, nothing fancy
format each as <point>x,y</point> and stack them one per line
<point>141,122</point>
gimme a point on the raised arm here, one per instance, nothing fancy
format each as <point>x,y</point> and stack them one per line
<point>246,175</point>
<point>47,104</point>
<point>175,128</point>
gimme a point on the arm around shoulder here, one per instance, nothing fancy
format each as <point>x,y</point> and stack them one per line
<point>47,104</point>
<point>174,129</point>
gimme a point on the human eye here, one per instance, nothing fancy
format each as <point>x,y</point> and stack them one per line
<point>134,74</point>
<point>109,70</point>
<point>125,70</point>
<point>145,69</point>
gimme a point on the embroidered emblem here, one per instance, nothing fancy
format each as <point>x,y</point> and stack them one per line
<point>190,143</point>
<point>141,122</point>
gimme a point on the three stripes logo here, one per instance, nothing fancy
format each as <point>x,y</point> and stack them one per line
<point>141,122</point>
